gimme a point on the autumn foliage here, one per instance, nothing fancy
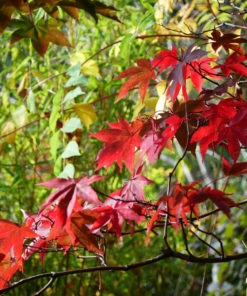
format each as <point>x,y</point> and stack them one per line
<point>75,213</point>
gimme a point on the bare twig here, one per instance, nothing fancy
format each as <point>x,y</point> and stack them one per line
<point>204,242</point>
<point>52,279</point>
<point>185,238</point>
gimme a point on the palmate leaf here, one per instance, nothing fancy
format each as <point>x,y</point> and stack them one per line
<point>219,198</point>
<point>177,77</point>
<point>12,237</point>
<point>227,41</point>
<point>71,7</point>
<point>234,63</point>
<point>40,34</point>
<point>226,122</point>
<point>44,31</point>
<point>121,141</point>
<point>237,169</point>
<point>7,8</point>
<point>113,213</point>
<point>140,75</point>
<point>132,189</point>
<point>67,194</point>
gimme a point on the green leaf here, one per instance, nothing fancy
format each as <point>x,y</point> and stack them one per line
<point>55,113</point>
<point>146,21</point>
<point>57,166</point>
<point>73,94</point>
<point>54,144</point>
<point>31,102</point>
<point>71,149</point>
<point>76,80</point>
<point>8,127</point>
<point>125,45</point>
<point>20,116</point>
<point>68,172</point>
<point>71,125</point>
<point>75,70</point>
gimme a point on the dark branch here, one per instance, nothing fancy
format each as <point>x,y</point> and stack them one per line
<point>167,253</point>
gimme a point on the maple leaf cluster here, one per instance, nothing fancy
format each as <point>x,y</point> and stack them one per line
<point>74,214</point>
<point>45,30</point>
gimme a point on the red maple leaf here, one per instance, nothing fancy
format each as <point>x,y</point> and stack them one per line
<point>173,124</point>
<point>178,75</point>
<point>132,189</point>
<point>121,141</point>
<point>227,41</point>
<point>196,70</point>
<point>233,63</point>
<point>113,212</point>
<point>178,204</point>
<point>140,75</point>
<point>12,237</point>
<point>226,121</point>
<point>200,68</point>
<point>216,196</point>
<point>8,268</point>
<point>152,139</point>
<point>165,59</point>
<point>67,193</point>
<point>236,169</point>
<point>178,207</point>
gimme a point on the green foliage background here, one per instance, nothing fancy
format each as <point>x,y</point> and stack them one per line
<point>33,154</point>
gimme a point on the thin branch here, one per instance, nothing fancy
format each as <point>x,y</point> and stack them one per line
<point>234,26</point>
<point>23,126</point>
<point>203,280</point>
<point>171,35</point>
<point>185,238</point>
<point>204,242</point>
<point>63,73</point>
<point>214,235</point>
<point>214,15</point>
<point>53,277</point>
<point>217,210</point>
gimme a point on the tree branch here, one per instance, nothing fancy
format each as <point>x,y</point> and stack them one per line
<point>167,253</point>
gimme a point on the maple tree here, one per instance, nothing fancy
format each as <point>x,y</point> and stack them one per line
<point>201,105</point>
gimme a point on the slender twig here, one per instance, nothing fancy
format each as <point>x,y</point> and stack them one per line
<point>234,26</point>
<point>208,79</point>
<point>217,210</point>
<point>185,238</point>
<point>214,15</point>
<point>212,234</point>
<point>63,73</point>
<point>203,280</point>
<point>23,126</point>
<point>204,242</point>
<point>171,35</point>
<point>52,279</point>
<point>126,201</point>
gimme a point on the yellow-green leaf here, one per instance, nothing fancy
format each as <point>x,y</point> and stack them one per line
<point>89,68</point>
<point>20,116</point>
<point>8,127</point>
<point>86,114</point>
